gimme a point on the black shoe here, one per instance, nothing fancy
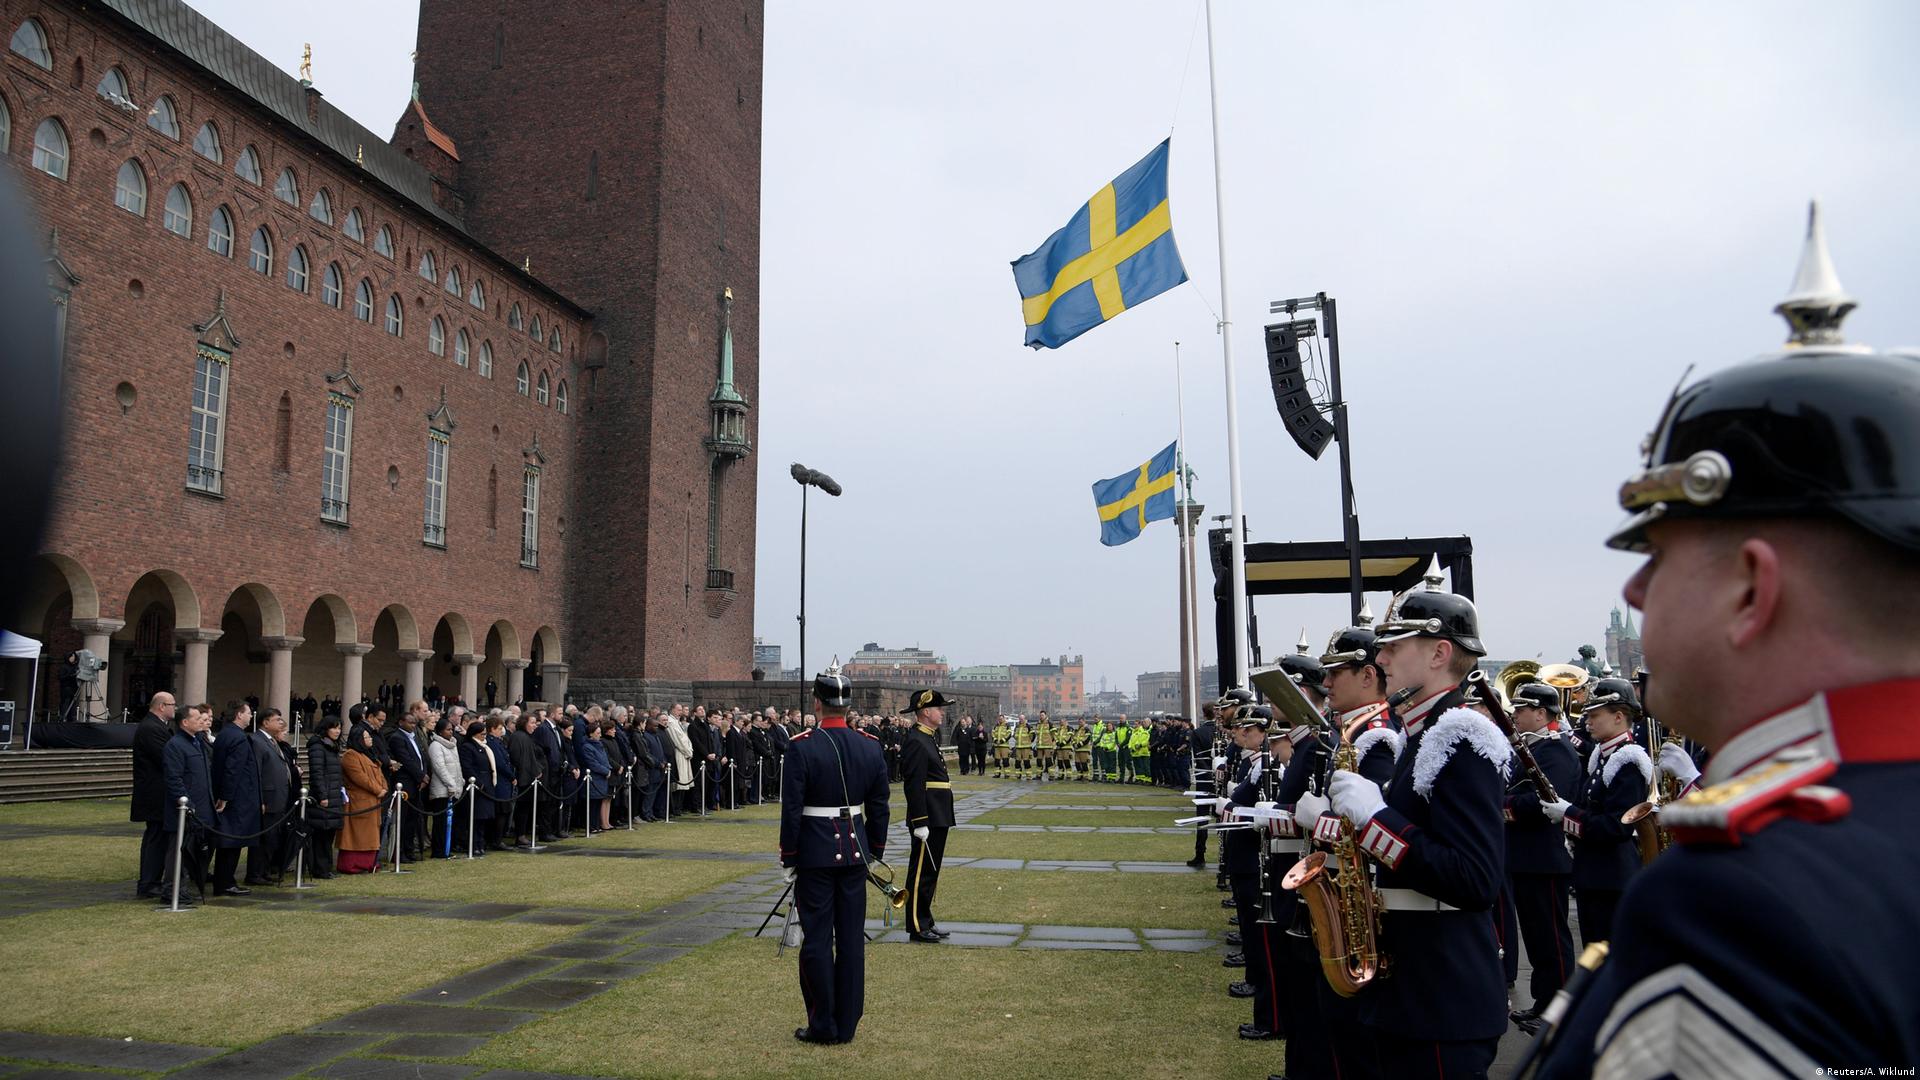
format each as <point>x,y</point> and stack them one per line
<point>1523,1016</point>
<point>1240,990</point>
<point>146,894</point>
<point>1234,960</point>
<point>1223,885</point>
<point>258,881</point>
<point>1233,937</point>
<point>927,937</point>
<point>232,890</point>
<point>1226,902</point>
<point>1197,864</point>
<point>939,933</point>
<point>806,1035</point>
<point>1233,920</point>
<point>1530,1027</point>
<point>325,875</point>
<point>1250,1032</point>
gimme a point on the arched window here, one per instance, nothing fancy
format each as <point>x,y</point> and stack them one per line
<point>560,397</point>
<point>515,320</point>
<point>178,218</point>
<point>428,268</point>
<point>553,340</point>
<point>486,359</point>
<point>206,142</point>
<point>130,188</point>
<point>437,337</point>
<point>50,148</point>
<point>520,379</point>
<point>540,391</point>
<point>6,127</point>
<point>477,296</point>
<point>461,347</point>
<point>330,286</point>
<point>297,269</point>
<point>383,241</point>
<point>113,86</point>
<point>30,41</point>
<point>321,208</point>
<point>534,332</point>
<point>453,281</point>
<point>396,316</point>
<point>163,118</point>
<point>248,166</point>
<point>220,233</point>
<point>363,301</point>
<point>354,226</point>
<point>287,188</point>
<point>260,253</point>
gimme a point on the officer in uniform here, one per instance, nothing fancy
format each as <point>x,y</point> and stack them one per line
<point>833,821</point>
<point>1619,776</point>
<point>923,776</point>
<point>1780,512</point>
<point>1437,837</point>
<point>1242,847</point>
<point>1538,863</point>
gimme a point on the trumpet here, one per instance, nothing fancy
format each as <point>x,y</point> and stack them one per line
<point>896,896</point>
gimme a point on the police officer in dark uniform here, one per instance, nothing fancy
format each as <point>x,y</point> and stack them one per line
<point>1538,862</point>
<point>1437,837</point>
<point>1202,740</point>
<point>833,821</point>
<point>1779,508</point>
<point>1619,777</point>
<point>1243,850</point>
<point>923,776</point>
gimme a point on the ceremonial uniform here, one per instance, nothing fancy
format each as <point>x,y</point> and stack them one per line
<point>833,820</point>
<point>923,777</point>
<point>1538,867</point>
<point>1605,857</point>
<point>1243,850</point>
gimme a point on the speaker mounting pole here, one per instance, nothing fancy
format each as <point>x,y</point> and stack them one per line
<point>1301,413</point>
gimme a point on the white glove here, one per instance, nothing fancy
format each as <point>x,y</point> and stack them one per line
<point>1308,810</point>
<point>1677,763</point>
<point>1556,810</point>
<point>787,875</point>
<point>1355,797</point>
<point>921,834</point>
<point>1253,774</point>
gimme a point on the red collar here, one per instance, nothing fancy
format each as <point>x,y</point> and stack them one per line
<point>1615,743</point>
<point>1852,724</point>
<point>1415,717</point>
<point>833,721</point>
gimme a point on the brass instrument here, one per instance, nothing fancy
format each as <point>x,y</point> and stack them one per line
<point>1344,911</point>
<point>1571,680</point>
<point>1649,835</point>
<point>896,896</point>
<point>1514,676</point>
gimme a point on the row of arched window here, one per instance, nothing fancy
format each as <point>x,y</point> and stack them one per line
<point>52,151</point>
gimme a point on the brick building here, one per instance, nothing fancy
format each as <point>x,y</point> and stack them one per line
<point>994,679</point>
<point>1057,688</point>
<point>468,405</point>
<point>917,667</point>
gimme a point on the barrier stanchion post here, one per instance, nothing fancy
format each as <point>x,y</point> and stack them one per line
<point>730,786</point>
<point>179,859</point>
<point>703,789</point>
<point>586,793</point>
<point>533,837</point>
<point>759,781</point>
<point>399,826</point>
<point>300,849</point>
<point>630,814</point>
<point>471,807</point>
<point>668,817</point>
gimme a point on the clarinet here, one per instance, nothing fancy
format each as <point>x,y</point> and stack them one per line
<point>1268,785</point>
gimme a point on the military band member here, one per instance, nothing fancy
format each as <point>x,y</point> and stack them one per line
<point>1538,862</point>
<point>1002,747</point>
<point>1619,777</point>
<point>1779,510</point>
<point>833,821</point>
<point>923,777</point>
<point>1043,747</point>
<point>1436,835</point>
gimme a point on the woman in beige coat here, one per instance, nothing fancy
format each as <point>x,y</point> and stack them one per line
<point>360,835</point>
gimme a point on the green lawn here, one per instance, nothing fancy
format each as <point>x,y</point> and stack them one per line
<point>1106,847</point>
<point>1011,1014</point>
<point>228,976</point>
<point>1149,818</point>
<point>71,858</point>
<point>1072,898</point>
<point>555,880</point>
<point>68,812</point>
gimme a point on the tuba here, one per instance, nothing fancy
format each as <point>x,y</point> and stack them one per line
<point>1340,902</point>
<point>1515,675</point>
<point>1571,680</point>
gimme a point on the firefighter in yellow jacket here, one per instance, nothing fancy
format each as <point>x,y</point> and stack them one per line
<point>1043,747</point>
<point>1002,747</point>
<point>1022,750</point>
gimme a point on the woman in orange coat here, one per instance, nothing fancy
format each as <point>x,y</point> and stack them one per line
<point>360,836</point>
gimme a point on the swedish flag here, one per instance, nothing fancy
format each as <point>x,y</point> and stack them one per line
<point>1116,252</point>
<point>1128,501</point>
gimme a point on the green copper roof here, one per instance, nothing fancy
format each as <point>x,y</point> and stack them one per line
<point>724,392</point>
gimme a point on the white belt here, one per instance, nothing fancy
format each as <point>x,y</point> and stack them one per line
<point>1410,900</point>
<point>1283,845</point>
<point>830,811</point>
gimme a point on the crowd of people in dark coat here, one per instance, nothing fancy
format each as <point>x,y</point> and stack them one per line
<point>369,788</point>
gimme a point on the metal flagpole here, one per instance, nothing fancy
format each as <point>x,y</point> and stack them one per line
<point>1234,668</point>
<point>1190,635</point>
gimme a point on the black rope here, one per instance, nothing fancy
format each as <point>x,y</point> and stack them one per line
<point>202,826</point>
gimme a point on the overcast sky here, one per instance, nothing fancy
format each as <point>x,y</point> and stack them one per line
<point>1533,216</point>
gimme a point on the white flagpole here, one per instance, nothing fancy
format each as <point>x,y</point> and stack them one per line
<point>1236,523</point>
<point>1190,636</point>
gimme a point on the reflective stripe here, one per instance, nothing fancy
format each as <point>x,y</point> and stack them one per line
<point>830,811</point>
<point>942,784</point>
<point>1411,900</point>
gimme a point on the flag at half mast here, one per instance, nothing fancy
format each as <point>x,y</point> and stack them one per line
<point>1117,251</point>
<point>1128,501</point>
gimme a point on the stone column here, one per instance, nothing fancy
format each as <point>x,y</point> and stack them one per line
<point>469,665</point>
<point>416,675</point>
<point>350,689</point>
<point>99,639</point>
<point>516,678</point>
<point>280,673</point>
<point>193,684</point>
<point>553,686</point>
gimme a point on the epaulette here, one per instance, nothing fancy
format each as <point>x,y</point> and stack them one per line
<point>868,734</point>
<point>1727,812</point>
<point>804,734</point>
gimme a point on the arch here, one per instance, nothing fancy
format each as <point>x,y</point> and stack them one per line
<point>461,634</point>
<point>130,188</point>
<point>113,85</point>
<point>164,117</point>
<point>86,597</point>
<point>51,148</point>
<point>30,41</point>
<point>247,166</point>
<point>186,604</point>
<point>509,639</point>
<point>206,142</point>
<point>287,188</point>
<point>345,628</point>
<point>406,631</point>
<point>273,618</point>
<point>321,208</point>
<point>549,645</point>
<point>354,226</point>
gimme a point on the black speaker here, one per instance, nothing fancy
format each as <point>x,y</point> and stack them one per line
<point>1298,411</point>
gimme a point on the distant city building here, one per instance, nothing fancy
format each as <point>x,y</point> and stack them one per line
<point>1623,644</point>
<point>996,679</point>
<point>766,657</point>
<point>1159,691</point>
<point>1109,703</point>
<point>1056,687</point>
<point>918,666</point>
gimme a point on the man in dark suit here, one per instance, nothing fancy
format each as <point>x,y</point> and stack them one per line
<point>237,803</point>
<point>410,775</point>
<point>150,792</point>
<point>187,766</point>
<point>706,757</point>
<point>279,783</point>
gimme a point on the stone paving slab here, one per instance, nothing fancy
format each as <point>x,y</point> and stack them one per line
<point>548,994</point>
<point>105,1053</point>
<point>376,1069</point>
<point>731,920</point>
<point>58,1074</point>
<point>479,912</point>
<point>286,1055</point>
<point>554,918</point>
<point>482,981</point>
<point>1080,933</point>
<point>602,969</point>
<point>998,864</point>
<point>576,949</point>
<point>684,934</point>
<point>432,1046</point>
<point>1158,868</point>
<point>1161,935</point>
<point>1101,946</point>
<point>420,1020</point>
<point>651,955</point>
<point>1185,945</point>
<point>961,937</point>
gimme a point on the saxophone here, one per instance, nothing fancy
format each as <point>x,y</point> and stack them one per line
<point>1339,900</point>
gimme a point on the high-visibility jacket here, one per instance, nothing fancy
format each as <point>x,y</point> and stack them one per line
<point>1108,739</point>
<point>1043,736</point>
<point>1002,734</point>
<point>1098,730</point>
<point>1140,741</point>
<point>1023,737</point>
